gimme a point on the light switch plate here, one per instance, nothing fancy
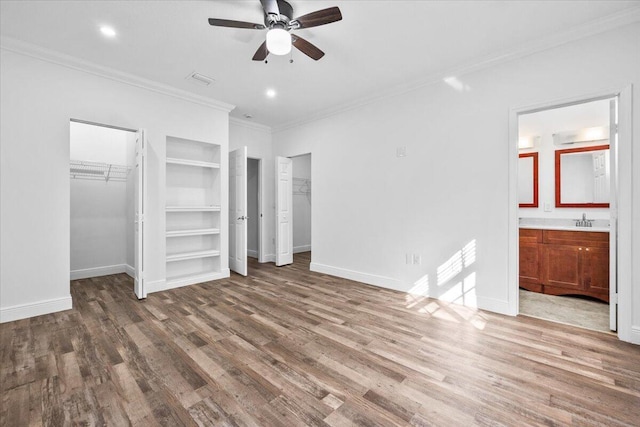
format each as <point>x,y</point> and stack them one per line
<point>547,207</point>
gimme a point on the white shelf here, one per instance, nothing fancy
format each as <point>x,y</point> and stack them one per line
<point>201,232</point>
<point>198,163</point>
<point>192,255</point>
<point>193,208</point>
<point>192,279</point>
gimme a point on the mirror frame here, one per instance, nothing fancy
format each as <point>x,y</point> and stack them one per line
<point>559,153</point>
<point>535,180</point>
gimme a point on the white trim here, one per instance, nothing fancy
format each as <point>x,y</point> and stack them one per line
<point>302,248</point>
<point>252,253</point>
<point>268,258</point>
<point>369,279</point>
<point>601,25</point>
<point>625,198</point>
<point>87,273</point>
<point>131,272</point>
<point>495,305</point>
<point>634,336</point>
<point>54,57</point>
<point>249,125</point>
<point>39,308</point>
<point>165,285</point>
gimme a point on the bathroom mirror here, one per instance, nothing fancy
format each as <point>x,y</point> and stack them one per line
<point>528,180</point>
<point>583,177</point>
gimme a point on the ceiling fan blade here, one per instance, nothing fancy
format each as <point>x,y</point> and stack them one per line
<point>307,48</point>
<point>270,7</point>
<point>319,17</point>
<point>262,52</point>
<point>235,24</point>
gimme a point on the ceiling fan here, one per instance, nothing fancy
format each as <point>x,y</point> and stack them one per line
<point>278,20</point>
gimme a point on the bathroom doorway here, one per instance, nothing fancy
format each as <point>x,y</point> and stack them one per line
<point>567,227</point>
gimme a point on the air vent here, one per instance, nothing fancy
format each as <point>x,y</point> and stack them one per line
<point>200,79</point>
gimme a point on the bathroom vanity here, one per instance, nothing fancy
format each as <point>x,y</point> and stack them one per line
<point>560,260</point>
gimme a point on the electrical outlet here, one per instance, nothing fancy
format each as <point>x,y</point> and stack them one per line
<point>547,207</point>
<point>401,152</point>
<point>417,259</point>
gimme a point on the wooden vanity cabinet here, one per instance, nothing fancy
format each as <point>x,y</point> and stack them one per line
<point>570,263</point>
<point>530,241</point>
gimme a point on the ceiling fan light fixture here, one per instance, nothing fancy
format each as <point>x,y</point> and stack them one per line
<point>278,41</point>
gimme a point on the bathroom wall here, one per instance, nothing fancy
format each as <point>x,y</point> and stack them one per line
<point>544,124</point>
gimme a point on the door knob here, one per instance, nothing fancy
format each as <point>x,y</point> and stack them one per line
<point>243,218</point>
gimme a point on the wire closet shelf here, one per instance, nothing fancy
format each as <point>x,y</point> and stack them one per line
<point>80,169</point>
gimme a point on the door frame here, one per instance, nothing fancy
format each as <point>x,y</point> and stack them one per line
<point>624,199</point>
<point>260,210</point>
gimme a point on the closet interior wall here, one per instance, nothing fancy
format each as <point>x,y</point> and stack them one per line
<point>102,189</point>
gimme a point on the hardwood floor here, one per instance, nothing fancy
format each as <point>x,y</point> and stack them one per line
<point>290,347</point>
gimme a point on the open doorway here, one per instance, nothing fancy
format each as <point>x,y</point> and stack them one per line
<point>567,233</point>
<point>253,209</point>
<point>103,193</point>
<point>301,190</point>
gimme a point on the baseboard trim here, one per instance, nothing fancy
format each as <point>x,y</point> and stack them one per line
<point>252,253</point>
<point>303,248</point>
<point>131,272</point>
<point>494,305</point>
<point>39,308</point>
<point>165,285</point>
<point>635,335</point>
<point>87,273</point>
<point>268,258</point>
<point>369,279</point>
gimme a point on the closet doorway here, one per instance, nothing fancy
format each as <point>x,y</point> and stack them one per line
<point>254,221</point>
<point>106,168</point>
<point>301,189</point>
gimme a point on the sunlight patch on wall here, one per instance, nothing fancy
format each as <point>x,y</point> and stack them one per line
<point>464,258</point>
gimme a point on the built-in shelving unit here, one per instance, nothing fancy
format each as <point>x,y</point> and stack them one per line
<point>192,212</point>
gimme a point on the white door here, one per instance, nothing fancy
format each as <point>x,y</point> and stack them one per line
<point>613,216</point>
<point>238,211</point>
<point>140,201</point>
<point>284,203</point>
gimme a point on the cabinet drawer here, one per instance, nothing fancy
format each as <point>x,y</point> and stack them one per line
<point>594,239</point>
<point>530,235</point>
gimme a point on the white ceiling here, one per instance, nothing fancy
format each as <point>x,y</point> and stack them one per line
<point>377,47</point>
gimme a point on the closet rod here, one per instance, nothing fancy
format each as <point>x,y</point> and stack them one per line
<point>103,125</point>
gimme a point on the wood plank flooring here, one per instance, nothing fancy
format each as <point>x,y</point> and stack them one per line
<point>287,347</point>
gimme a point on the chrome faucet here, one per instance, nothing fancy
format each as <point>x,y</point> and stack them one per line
<point>584,222</point>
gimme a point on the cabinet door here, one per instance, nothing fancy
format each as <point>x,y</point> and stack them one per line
<point>530,266</point>
<point>595,272</point>
<point>561,268</point>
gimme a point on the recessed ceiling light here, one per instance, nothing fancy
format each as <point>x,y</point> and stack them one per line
<point>271,93</point>
<point>108,31</point>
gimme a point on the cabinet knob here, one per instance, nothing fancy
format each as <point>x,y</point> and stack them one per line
<point>587,249</point>
<point>579,249</point>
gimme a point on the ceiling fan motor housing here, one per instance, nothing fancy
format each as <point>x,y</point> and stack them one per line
<point>286,14</point>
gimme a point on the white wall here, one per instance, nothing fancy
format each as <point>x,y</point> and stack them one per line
<point>301,204</point>
<point>545,124</point>
<point>38,99</point>
<point>253,211</point>
<point>257,139</point>
<point>448,199</point>
<point>100,208</point>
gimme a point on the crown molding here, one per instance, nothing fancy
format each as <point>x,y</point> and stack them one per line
<point>23,48</point>
<point>249,125</point>
<point>591,28</point>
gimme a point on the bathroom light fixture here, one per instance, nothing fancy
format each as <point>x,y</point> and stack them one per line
<point>598,133</point>
<point>278,41</point>
<point>525,142</point>
<point>108,31</point>
<point>271,93</point>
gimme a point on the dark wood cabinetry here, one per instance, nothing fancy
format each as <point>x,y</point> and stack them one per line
<point>568,262</point>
